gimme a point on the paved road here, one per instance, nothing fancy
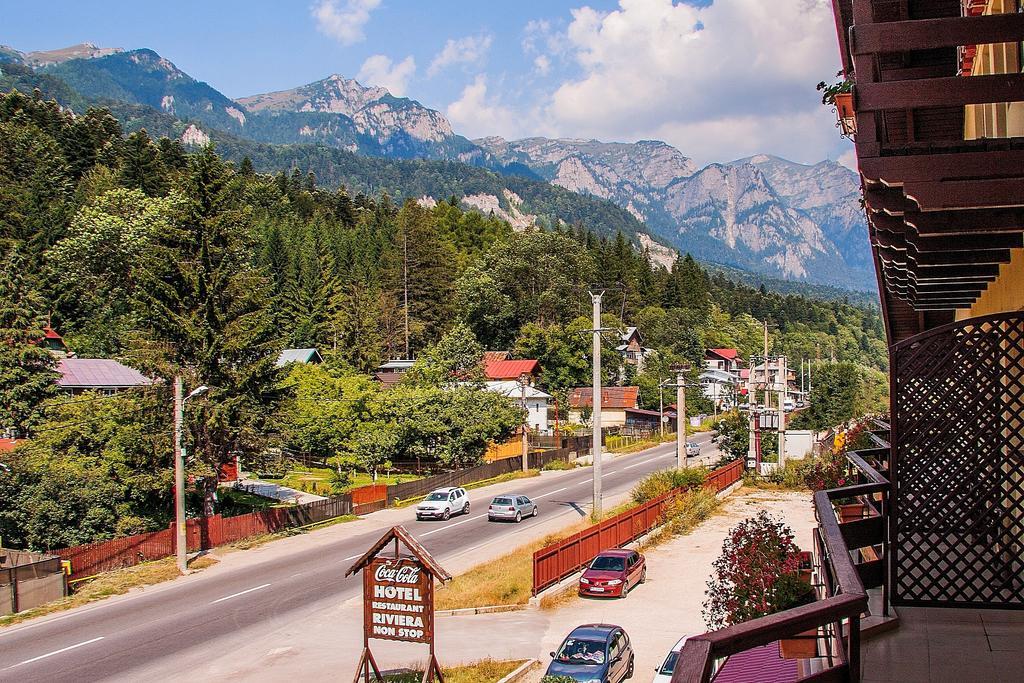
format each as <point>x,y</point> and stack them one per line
<point>196,618</point>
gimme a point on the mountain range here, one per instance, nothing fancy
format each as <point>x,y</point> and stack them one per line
<point>765,214</point>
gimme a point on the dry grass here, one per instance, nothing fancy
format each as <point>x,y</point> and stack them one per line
<point>202,562</point>
<point>485,671</point>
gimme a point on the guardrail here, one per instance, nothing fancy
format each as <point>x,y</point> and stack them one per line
<point>563,558</point>
<point>835,617</point>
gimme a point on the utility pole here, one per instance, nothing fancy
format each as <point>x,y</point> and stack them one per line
<point>751,413</point>
<point>680,418</point>
<point>179,477</point>
<point>767,395</point>
<point>783,390</point>
<point>661,407</point>
<point>524,381</point>
<point>405,285</point>
<point>597,450</point>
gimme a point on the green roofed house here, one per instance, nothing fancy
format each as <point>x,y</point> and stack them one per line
<point>299,356</point>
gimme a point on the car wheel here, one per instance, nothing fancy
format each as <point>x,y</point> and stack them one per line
<point>629,671</point>
<point>419,518</point>
<point>534,510</point>
<point>625,590</point>
<point>447,514</point>
<point>519,516</point>
<point>465,508</point>
<point>643,576</point>
<point>489,518</point>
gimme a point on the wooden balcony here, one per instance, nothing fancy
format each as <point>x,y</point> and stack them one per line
<point>944,212</point>
<point>849,562</point>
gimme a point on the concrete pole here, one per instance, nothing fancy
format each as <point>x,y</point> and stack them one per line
<point>179,477</point>
<point>783,390</point>
<point>680,420</point>
<point>661,409</point>
<point>751,417</point>
<point>597,450</point>
<point>767,395</point>
<point>526,430</point>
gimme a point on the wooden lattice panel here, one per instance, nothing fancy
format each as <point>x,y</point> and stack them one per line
<point>957,525</point>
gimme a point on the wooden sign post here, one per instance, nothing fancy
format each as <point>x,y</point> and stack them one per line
<point>398,599</point>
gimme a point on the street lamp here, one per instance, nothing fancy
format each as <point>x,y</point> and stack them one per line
<point>179,469</point>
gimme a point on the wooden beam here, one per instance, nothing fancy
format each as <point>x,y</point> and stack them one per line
<point>944,165</point>
<point>939,223</point>
<point>951,91</point>
<point>926,34</point>
<point>983,193</point>
<point>956,272</point>
<point>1010,240</point>
<point>942,258</point>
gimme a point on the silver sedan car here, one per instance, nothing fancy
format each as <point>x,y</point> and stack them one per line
<point>511,506</point>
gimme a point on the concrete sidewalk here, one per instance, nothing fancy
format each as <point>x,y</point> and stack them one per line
<point>278,492</point>
<point>655,614</point>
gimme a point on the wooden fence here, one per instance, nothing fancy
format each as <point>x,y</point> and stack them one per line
<point>563,558</point>
<point>209,532</point>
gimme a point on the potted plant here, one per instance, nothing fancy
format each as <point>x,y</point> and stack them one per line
<point>840,96</point>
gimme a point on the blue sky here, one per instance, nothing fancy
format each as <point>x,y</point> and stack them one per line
<point>719,80</point>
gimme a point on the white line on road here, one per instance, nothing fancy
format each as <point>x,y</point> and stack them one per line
<point>449,526</point>
<point>57,652</point>
<point>550,493</point>
<point>235,595</point>
<point>351,558</point>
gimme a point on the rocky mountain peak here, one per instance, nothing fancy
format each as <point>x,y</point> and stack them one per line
<point>60,55</point>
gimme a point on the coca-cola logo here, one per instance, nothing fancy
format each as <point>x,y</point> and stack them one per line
<point>408,574</point>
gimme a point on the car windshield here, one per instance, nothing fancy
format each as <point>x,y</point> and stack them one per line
<point>575,651</point>
<point>670,663</point>
<point>501,501</point>
<point>608,564</point>
<point>437,495</point>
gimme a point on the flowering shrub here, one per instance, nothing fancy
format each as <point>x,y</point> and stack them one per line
<point>756,575</point>
<point>827,471</point>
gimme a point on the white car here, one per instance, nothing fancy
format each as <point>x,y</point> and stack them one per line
<point>443,503</point>
<point>663,673</point>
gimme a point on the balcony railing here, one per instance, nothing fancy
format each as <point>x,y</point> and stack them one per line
<point>842,585</point>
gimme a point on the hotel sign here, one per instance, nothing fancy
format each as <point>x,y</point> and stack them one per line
<point>398,600</point>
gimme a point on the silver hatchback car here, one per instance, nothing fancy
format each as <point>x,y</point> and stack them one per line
<point>512,506</point>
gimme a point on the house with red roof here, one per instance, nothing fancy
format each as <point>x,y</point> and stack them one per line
<point>721,377</point>
<point>615,402</point>
<point>507,370</point>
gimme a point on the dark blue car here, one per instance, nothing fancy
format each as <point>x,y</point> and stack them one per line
<point>594,652</point>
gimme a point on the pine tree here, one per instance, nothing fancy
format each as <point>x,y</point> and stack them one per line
<point>140,165</point>
<point>207,308</point>
<point>427,263</point>
<point>245,167</point>
<point>26,368</point>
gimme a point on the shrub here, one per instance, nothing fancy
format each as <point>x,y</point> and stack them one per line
<point>756,575</point>
<point>558,465</point>
<point>827,471</point>
<point>658,483</point>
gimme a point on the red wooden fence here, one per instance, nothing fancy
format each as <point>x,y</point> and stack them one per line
<point>554,562</point>
<point>369,494</point>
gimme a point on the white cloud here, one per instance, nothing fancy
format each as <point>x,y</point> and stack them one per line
<point>849,160</point>
<point>471,50</point>
<point>730,79</point>
<point>542,64</point>
<point>345,22</point>
<point>476,114</point>
<point>380,70</point>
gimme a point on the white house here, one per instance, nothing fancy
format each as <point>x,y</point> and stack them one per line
<point>721,374</point>
<point>632,348</point>
<point>537,402</point>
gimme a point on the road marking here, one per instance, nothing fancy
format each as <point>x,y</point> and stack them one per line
<point>235,595</point>
<point>351,558</point>
<point>57,652</point>
<point>450,526</point>
<point>550,493</point>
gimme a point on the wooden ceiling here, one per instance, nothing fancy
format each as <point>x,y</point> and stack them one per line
<point>943,212</point>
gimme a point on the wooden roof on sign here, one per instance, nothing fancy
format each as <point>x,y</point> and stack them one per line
<point>398,533</point>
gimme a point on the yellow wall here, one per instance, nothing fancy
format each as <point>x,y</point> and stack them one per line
<point>1005,294</point>
<point>999,119</point>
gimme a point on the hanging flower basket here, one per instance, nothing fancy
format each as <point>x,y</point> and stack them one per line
<point>843,102</point>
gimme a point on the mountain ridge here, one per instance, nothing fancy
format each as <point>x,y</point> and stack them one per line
<point>764,213</point>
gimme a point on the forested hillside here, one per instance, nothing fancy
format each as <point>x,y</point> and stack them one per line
<point>185,263</point>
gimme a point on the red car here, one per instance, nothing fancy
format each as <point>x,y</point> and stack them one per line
<point>612,573</point>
